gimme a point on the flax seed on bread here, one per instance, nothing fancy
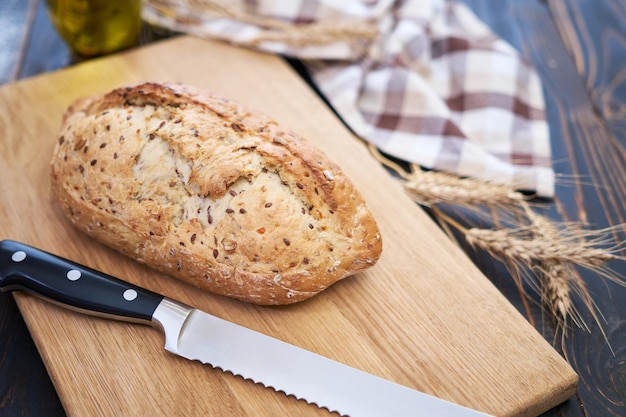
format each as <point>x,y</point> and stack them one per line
<point>205,190</point>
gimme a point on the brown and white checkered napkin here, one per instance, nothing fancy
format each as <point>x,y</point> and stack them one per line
<point>423,80</point>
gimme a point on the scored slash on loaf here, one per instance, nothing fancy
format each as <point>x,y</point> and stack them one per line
<point>203,189</point>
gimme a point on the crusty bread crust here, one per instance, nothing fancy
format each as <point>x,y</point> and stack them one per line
<point>203,189</point>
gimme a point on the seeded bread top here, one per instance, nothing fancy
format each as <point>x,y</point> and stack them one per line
<point>203,189</point>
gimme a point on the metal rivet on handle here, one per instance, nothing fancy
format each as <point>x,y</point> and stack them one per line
<point>18,256</point>
<point>130,295</point>
<point>73,274</point>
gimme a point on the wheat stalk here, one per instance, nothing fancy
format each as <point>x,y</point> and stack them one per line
<point>194,12</point>
<point>518,243</point>
<point>429,188</point>
<point>557,290</point>
<point>557,250</point>
<point>560,280</point>
<point>542,251</point>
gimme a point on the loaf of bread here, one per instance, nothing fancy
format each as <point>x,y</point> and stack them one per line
<point>205,190</point>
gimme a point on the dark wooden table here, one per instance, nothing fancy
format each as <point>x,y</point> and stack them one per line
<point>579,49</point>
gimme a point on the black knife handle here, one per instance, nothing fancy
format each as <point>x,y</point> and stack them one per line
<point>73,285</point>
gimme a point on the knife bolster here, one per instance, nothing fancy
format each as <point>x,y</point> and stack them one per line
<point>170,316</point>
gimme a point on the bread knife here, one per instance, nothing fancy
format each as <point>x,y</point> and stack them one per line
<point>196,335</point>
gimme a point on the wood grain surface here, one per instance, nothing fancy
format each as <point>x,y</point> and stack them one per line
<point>424,316</point>
<point>578,49</point>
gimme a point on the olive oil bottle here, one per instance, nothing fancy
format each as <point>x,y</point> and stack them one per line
<point>96,27</point>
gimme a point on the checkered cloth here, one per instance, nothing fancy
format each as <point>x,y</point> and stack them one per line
<point>434,87</point>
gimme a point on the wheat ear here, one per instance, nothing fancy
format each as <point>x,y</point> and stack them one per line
<point>544,252</point>
<point>429,188</point>
<point>518,243</point>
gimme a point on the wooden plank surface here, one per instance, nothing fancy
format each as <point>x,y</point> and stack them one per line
<point>579,50</point>
<point>424,316</point>
<point>25,387</point>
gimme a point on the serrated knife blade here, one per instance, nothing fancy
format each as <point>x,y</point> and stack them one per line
<point>196,335</point>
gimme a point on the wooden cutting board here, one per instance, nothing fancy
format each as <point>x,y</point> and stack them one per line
<point>424,316</point>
